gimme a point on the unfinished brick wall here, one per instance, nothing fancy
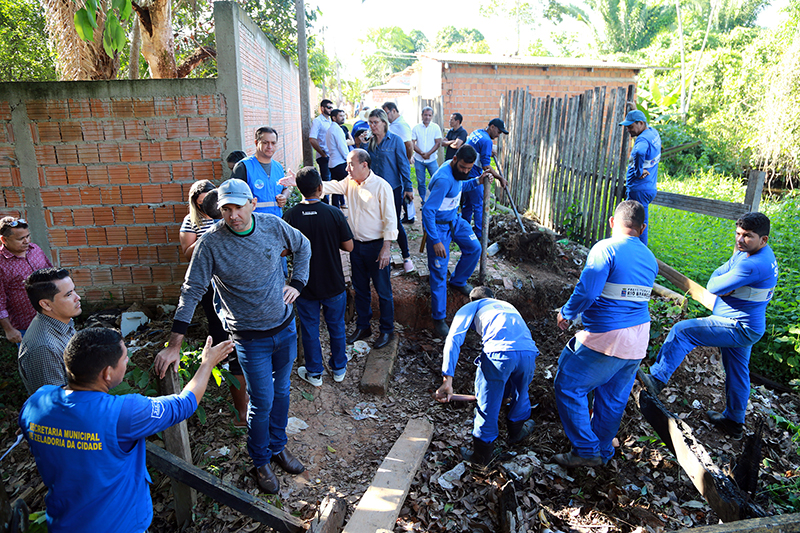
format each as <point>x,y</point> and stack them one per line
<point>475,90</point>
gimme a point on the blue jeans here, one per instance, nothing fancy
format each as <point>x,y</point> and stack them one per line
<point>420,168</point>
<point>581,371</point>
<point>734,340</point>
<point>502,374</point>
<point>267,365</point>
<point>364,266</point>
<point>472,208</point>
<point>644,197</point>
<point>308,311</point>
<point>402,239</point>
<point>460,232</point>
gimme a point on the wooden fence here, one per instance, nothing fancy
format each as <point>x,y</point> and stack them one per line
<point>565,157</point>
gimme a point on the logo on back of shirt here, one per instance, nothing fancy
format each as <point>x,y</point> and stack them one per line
<point>259,184</point>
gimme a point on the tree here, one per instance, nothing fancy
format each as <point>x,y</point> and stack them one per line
<point>520,12</point>
<point>465,40</point>
<point>24,55</point>
<point>389,50</point>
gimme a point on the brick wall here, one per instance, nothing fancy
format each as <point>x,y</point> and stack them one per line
<point>475,90</point>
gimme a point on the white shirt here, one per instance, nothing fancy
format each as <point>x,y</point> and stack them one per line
<point>371,204</point>
<point>400,128</point>
<point>425,138</point>
<point>336,144</point>
<point>319,129</point>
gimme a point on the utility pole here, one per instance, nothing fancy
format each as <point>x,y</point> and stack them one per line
<point>302,60</point>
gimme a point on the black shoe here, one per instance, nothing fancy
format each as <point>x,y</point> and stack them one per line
<point>267,480</point>
<point>518,431</point>
<point>653,385</point>
<point>571,460</point>
<point>409,220</point>
<point>481,453</point>
<point>288,462</point>
<point>463,289</point>
<point>383,339</point>
<point>358,334</point>
<point>440,328</point>
<point>726,425</point>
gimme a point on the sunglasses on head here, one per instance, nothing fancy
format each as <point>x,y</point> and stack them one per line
<point>15,223</point>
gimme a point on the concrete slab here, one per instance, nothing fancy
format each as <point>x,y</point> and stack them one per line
<point>380,506</point>
<point>378,368</point>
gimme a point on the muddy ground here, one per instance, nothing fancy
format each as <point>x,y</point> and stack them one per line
<point>643,488</point>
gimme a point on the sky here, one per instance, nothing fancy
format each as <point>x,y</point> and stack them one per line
<point>344,22</point>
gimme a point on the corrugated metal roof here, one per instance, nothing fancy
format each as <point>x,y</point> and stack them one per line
<point>489,59</point>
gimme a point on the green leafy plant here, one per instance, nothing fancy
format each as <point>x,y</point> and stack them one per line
<point>114,36</point>
<point>573,222</point>
<point>190,362</point>
<point>785,492</point>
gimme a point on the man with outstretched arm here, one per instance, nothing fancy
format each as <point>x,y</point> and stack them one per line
<point>612,296</point>
<point>89,445</point>
<point>743,287</point>
<point>483,142</point>
<point>243,257</point>
<point>505,369</point>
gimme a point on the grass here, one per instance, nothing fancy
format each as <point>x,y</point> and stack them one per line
<point>697,244</point>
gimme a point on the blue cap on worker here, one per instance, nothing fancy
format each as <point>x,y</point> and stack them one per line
<point>633,116</point>
<point>234,191</point>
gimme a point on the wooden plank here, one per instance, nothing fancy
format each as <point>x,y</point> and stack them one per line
<point>330,516</point>
<point>786,523</point>
<point>704,206</point>
<point>176,441</point>
<point>695,290</point>
<point>378,368</point>
<point>380,505</point>
<point>664,292</point>
<point>755,185</point>
<point>222,492</point>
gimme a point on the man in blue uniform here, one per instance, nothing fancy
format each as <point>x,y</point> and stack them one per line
<point>505,369</point>
<point>642,177</point>
<point>612,296</point>
<point>89,445</point>
<point>482,141</point>
<point>262,173</point>
<point>443,225</point>
<point>743,286</point>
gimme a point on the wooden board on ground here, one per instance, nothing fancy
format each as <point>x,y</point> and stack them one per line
<point>695,290</point>
<point>330,516</point>
<point>380,505</point>
<point>378,368</point>
<point>787,523</point>
<point>222,492</point>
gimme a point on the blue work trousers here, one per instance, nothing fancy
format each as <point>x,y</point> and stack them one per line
<point>459,231</point>
<point>644,197</point>
<point>308,312</point>
<point>499,375</point>
<point>581,371</point>
<point>420,168</point>
<point>364,266</point>
<point>734,340</point>
<point>267,365</point>
<point>472,208</point>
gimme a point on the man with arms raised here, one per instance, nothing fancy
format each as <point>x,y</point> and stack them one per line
<point>243,257</point>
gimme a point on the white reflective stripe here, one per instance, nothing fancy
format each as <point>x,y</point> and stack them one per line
<point>650,163</point>
<point>448,204</point>
<point>267,204</point>
<point>631,293</point>
<point>751,294</point>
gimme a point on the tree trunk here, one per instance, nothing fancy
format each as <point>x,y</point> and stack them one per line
<point>158,46</point>
<point>136,46</point>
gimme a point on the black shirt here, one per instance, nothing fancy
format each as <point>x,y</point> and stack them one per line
<point>453,134</point>
<point>326,228</point>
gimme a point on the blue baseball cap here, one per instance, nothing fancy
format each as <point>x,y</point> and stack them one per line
<point>633,116</point>
<point>234,191</point>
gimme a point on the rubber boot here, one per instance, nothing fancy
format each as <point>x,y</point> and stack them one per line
<point>481,453</point>
<point>518,431</point>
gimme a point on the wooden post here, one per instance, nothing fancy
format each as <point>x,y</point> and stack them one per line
<point>755,184</point>
<point>487,191</point>
<point>176,441</point>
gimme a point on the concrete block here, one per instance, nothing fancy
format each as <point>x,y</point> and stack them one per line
<point>378,368</point>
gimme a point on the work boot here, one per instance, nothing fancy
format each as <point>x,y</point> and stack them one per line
<point>440,328</point>
<point>481,453</point>
<point>571,460</point>
<point>463,289</point>
<point>267,480</point>
<point>518,431</point>
<point>653,385</point>
<point>726,425</point>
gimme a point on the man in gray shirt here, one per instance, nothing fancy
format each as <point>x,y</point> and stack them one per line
<point>41,354</point>
<point>243,257</point>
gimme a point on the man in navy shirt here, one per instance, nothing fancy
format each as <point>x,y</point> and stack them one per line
<point>642,177</point>
<point>482,141</point>
<point>743,286</point>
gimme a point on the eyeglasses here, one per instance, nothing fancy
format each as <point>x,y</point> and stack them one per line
<point>329,107</point>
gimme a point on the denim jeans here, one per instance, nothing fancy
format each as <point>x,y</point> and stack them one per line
<point>581,371</point>
<point>459,231</point>
<point>402,239</point>
<point>364,265</point>
<point>644,197</point>
<point>734,340</point>
<point>420,168</point>
<point>308,312</point>
<point>267,365</point>
<point>502,374</point>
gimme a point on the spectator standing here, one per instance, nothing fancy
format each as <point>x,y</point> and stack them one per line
<point>456,136</point>
<point>234,157</point>
<point>336,141</point>
<point>262,173</point>
<point>427,138</point>
<point>317,137</point>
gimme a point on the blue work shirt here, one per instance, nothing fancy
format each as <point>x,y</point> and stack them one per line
<point>614,288</point>
<point>389,161</point>
<point>480,140</point>
<point>645,155</point>
<point>444,197</point>
<point>752,279</point>
<point>501,327</point>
